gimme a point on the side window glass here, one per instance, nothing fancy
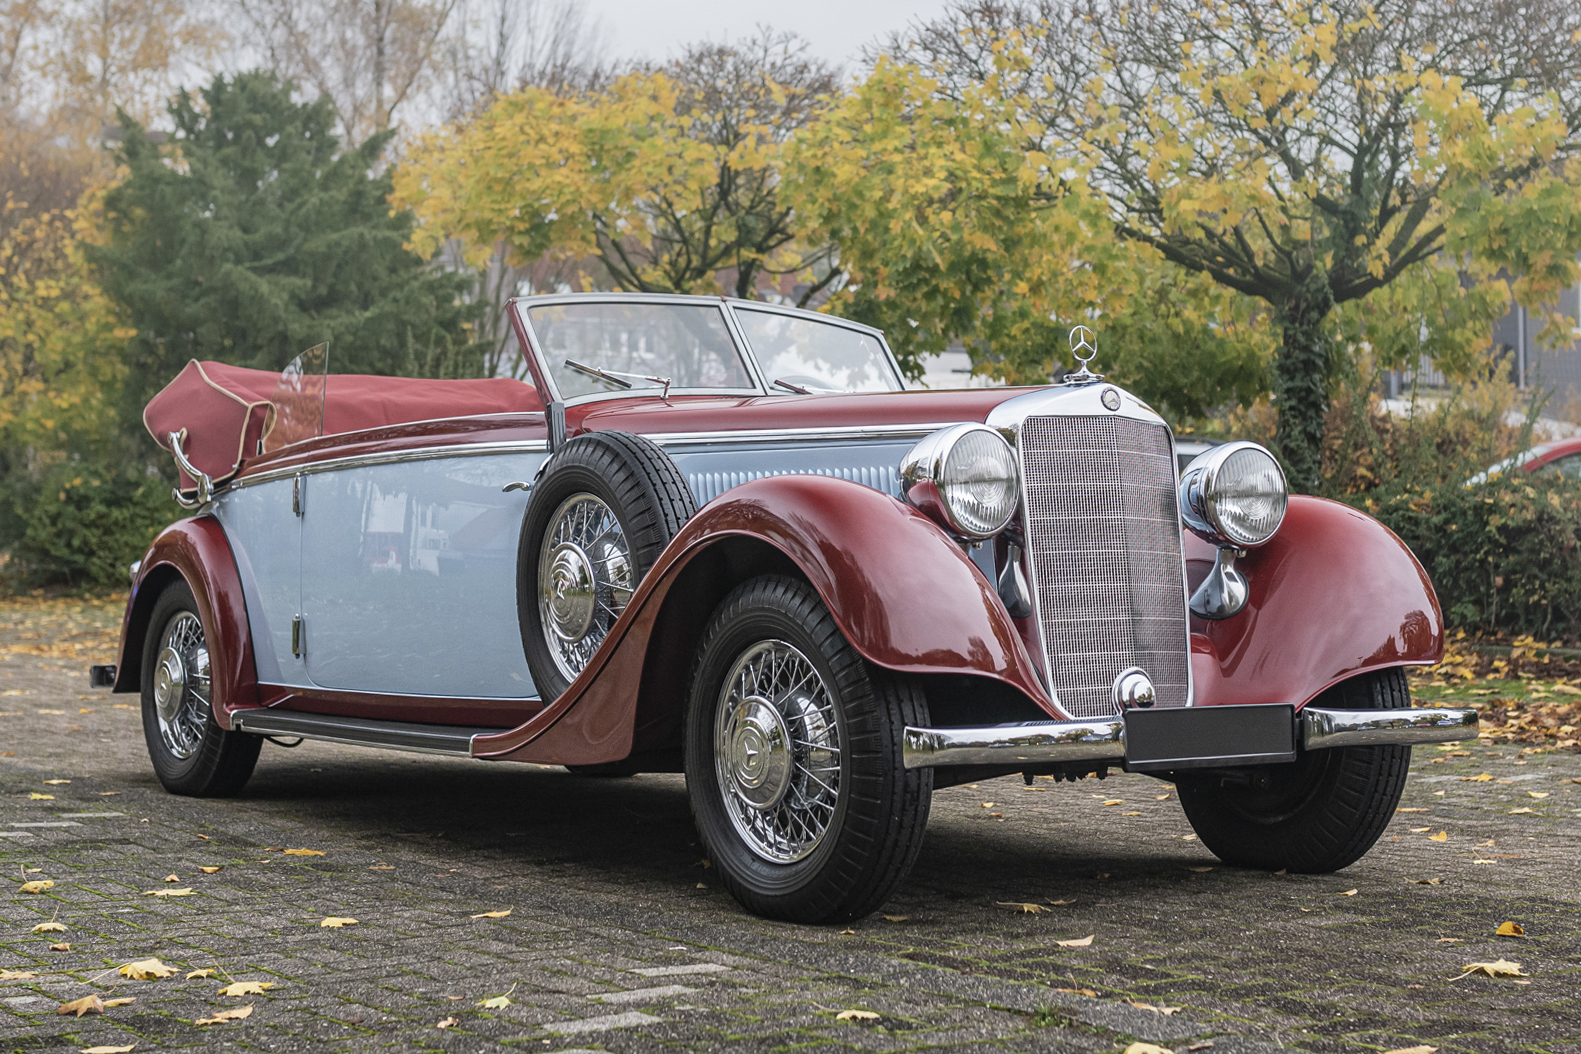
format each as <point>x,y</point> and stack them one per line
<point>1568,466</point>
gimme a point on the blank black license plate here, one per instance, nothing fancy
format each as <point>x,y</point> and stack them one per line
<point>1210,736</point>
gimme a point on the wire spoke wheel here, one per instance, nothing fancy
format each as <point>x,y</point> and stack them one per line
<point>182,685</point>
<point>585,580</point>
<point>777,746</point>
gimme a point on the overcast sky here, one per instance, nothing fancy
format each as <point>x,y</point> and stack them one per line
<point>836,29</point>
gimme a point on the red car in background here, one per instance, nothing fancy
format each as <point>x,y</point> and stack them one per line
<point>1559,457</point>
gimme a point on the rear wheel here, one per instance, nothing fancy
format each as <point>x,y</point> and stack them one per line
<point>1318,814</point>
<point>191,753</point>
<point>793,759</point>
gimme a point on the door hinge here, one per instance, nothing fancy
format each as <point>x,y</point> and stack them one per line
<point>298,486</point>
<point>298,643</point>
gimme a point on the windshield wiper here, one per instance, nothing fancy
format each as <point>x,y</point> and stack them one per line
<point>614,376</point>
<point>802,390</point>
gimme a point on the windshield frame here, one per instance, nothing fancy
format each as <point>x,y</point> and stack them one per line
<point>543,377</point>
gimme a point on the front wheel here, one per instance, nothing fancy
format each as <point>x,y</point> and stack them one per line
<point>793,759</point>
<point>191,753</point>
<point>1317,814</point>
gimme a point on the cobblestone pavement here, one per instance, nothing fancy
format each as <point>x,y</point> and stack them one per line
<point>619,938</point>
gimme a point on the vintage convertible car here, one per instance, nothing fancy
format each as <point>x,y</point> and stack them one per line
<point>718,537</point>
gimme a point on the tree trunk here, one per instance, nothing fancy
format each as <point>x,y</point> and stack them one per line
<point>1301,383</point>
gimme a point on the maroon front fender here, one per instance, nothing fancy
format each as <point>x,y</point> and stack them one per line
<point>1333,595</point>
<point>197,551</point>
<point>903,593</point>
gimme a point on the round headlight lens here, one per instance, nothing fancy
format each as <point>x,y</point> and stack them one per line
<point>979,483</point>
<point>1234,494</point>
<point>965,478</point>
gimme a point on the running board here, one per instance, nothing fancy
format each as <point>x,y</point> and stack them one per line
<point>449,740</point>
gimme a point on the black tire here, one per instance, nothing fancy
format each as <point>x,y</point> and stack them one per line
<point>1319,814</point>
<point>642,487</point>
<point>205,761</point>
<point>879,811</point>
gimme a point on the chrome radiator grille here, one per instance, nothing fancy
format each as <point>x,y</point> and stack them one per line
<point>1104,534</point>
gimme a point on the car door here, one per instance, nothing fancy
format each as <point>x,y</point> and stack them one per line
<point>409,575</point>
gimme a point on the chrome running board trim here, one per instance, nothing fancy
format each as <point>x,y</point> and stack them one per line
<point>448,740</point>
<point>1042,742</point>
<point>1322,728</point>
<point>1032,742</point>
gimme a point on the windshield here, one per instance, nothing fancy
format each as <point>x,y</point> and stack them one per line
<point>815,356</point>
<point>638,346</point>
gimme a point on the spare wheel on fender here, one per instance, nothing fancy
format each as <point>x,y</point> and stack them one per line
<point>605,506</point>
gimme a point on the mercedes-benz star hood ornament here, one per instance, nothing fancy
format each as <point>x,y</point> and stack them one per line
<point>1083,348</point>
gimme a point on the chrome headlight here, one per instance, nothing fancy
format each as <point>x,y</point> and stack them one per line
<point>1234,494</point>
<point>965,478</point>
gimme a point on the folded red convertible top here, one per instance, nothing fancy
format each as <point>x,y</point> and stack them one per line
<point>228,411</point>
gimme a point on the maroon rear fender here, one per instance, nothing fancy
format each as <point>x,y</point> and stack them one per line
<point>1333,595</point>
<point>197,551</point>
<point>903,593</point>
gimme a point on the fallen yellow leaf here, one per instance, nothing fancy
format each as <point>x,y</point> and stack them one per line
<point>335,922</point>
<point>449,1022</point>
<point>235,1013</point>
<point>121,1001</point>
<point>1088,992</point>
<point>1510,929</point>
<point>49,927</point>
<point>1130,814</point>
<point>498,1002</point>
<point>60,947</point>
<point>108,1050</point>
<point>146,970</point>
<point>493,914</point>
<point>1497,968</point>
<point>1410,810</point>
<point>185,891</point>
<point>198,975</point>
<point>1115,801</point>
<point>1147,1048</point>
<point>16,975</point>
<point>1537,794</point>
<point>1412,1050</point>
<point>1018,907</point>
<point>247,988</point>
<point>36,796</point>
<point>304,852</point>
<point>1518,812</point>
<point>56,783</point>
<point>1350,892</point>
<point>1061,903</point>
<point>856,1015</point>
<point>1481,777</point>
<point>1161,797</point>
<point>88,1004</point>
<point>39,886</point>
<point>1441,836</point>
<point>1079,942</point>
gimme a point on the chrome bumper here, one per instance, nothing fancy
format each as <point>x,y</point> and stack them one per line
<point>1104,741</point>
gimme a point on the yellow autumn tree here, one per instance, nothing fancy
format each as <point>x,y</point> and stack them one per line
<point>668,177</point>
<point>1304,153</point>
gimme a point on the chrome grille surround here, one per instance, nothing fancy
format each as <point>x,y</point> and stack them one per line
<point>1103,530</point>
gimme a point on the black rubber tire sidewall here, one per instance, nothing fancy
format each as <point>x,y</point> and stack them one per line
<point>224,761</point>
<point>1329,807</point>
<point>877,828</point>
<point>643,488</point>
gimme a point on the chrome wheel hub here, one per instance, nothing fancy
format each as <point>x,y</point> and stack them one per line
<point>758,759</point>
<point>182,685</point>
<point>573,596</point>
<point>777,747</point>
<point>585,580</point>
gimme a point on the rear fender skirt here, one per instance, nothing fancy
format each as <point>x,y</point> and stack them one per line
<point>196,550</point>
<point>904,594</point>
<point>1333,595</point>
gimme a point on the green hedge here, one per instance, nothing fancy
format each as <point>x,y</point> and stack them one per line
<point>79,524</point>
<point>1505,555</point>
